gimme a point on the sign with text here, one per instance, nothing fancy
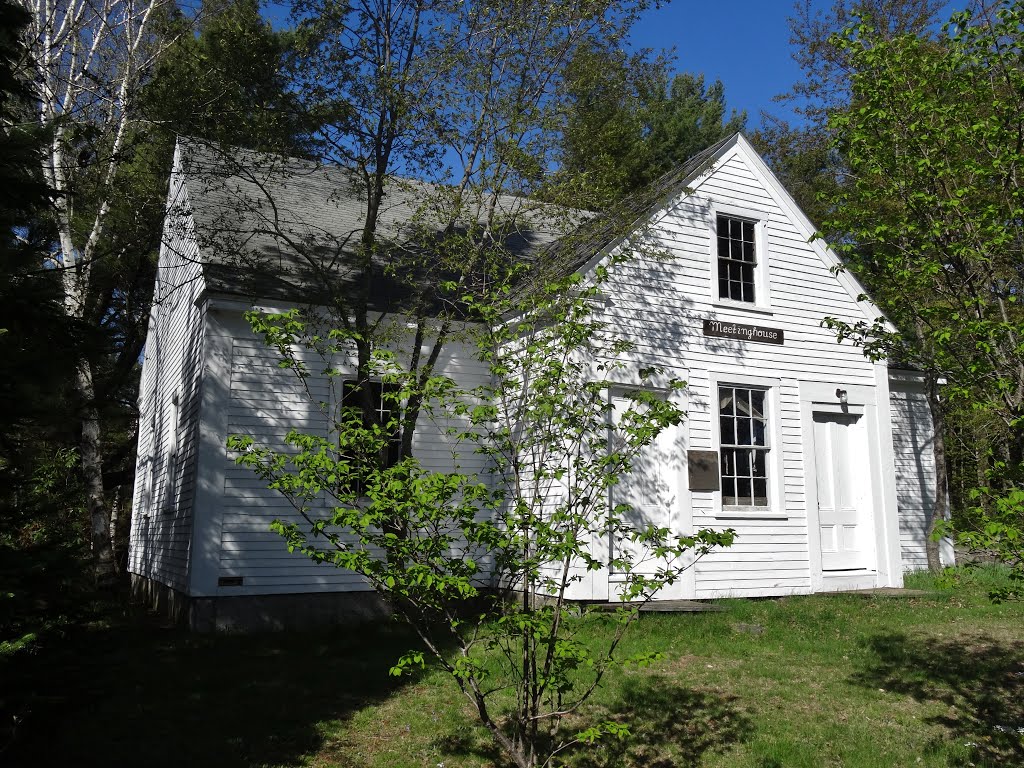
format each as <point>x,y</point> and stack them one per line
<point>758,333</point>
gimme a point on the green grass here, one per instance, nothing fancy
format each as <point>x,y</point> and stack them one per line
<point>843,680</point>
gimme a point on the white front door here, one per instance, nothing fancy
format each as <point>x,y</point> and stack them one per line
<point>843,479</point>
<point>652,494</point>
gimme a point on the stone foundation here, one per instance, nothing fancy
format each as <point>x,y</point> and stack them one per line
<point>260,613</point>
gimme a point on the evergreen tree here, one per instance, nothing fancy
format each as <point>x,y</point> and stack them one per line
<point>629,121</point>
<point>36,339</point>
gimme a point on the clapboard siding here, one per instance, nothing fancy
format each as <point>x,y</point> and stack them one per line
<point>660,303</point>
<point>912,438</point>
<point>265,402</point>
<point>169,412</point>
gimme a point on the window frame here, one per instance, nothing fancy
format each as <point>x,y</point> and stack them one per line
<point>737,446</point>
<point>394,440</point>
<point>761,284</point>
<point>775,508</point>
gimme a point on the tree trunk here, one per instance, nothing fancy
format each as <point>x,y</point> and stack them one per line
<point>92,472</point>
<point>940,498</point>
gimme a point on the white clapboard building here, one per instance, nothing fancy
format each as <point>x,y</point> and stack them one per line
<point>818,457</point>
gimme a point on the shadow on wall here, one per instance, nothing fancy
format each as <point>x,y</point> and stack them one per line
<point>979,680</point>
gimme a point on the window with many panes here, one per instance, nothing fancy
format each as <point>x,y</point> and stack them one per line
<point>737,258</point>
<point>382,407</point>
<point>743,429</point>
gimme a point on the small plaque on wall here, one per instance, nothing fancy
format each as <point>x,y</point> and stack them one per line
<point>703,470</point>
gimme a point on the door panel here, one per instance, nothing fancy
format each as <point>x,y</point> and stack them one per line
<point>650,489</point>
<point>843,480</point>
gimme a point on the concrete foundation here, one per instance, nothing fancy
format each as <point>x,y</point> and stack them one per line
<point>260,613</point>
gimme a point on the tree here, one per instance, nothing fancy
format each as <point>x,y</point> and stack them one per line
<point>463,95</point>
<point>36,341</point>
<point>809,160</point>
<point>223,79</point>
<point>484,564</point>
<point>934,208</point>
<point>800,152</point>
<point>117,81</point>
<point>88,63</point>
<point>464,98</point>
<point>628,121</point>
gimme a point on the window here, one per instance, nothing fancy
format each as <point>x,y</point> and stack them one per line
<point>737,259</point>
<point>743,424</point>
<point>382,405</point>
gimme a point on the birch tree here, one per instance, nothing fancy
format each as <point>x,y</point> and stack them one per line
<point>89,61</point>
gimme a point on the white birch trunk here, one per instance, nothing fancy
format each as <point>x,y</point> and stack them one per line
<point>89,60</point>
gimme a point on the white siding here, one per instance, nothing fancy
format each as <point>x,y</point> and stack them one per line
<point>266,401</point>
<point>661,301</point>
<point>169,407</point>
<point>912,437</point>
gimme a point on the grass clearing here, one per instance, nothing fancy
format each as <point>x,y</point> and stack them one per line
<point>840,680</point>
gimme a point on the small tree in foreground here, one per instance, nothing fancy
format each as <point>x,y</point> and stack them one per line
<point>484,563</point>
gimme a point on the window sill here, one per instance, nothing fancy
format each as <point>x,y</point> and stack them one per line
<point>750,513</point>
<point>740,306</point>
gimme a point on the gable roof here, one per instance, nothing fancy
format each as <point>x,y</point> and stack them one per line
<point>274,227</point>
<point>601,233</point>
<point>598,237</point>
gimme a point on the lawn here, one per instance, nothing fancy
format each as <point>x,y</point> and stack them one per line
<point>842,680</point>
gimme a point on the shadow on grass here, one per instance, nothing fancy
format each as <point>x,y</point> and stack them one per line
<point>671,726</point>
<point>980,680</point>
<point>132,692</point>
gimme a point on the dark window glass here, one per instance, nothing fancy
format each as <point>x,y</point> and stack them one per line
<point>382,412</point>
<point>744,446</point>
<point>728,430</point>
<point>736,259</point>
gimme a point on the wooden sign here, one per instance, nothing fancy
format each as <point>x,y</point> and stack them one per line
<point>757,333</point>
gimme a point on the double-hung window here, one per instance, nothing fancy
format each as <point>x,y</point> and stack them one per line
<point>743,432</point>
<point>382,413</point>
<point>737,259</point>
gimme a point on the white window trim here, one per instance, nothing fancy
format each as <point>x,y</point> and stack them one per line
<point>776,509</point>
<point>762,294</point>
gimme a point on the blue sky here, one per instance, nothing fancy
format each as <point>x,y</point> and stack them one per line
<point>743,43</point>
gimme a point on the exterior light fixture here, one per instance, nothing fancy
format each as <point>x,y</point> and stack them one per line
<point>841,394</point>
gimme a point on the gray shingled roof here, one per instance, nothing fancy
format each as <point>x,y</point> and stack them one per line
<point>272,227</point>
<point>601,232</point>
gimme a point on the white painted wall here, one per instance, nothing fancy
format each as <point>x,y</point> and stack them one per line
<point>661,303</point>
<point>169,400</point>
<point>263,401</point>
<point>913,445</point>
